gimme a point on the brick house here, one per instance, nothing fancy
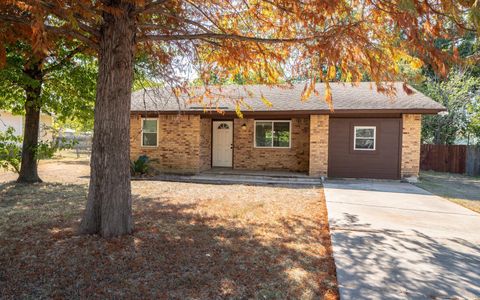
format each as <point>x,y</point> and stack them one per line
<point>368,135</point>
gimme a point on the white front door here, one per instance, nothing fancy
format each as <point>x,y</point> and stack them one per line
<point>222,144</point>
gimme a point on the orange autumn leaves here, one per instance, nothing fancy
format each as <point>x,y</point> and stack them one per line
<point>313,40</point>
<point>348,42</point>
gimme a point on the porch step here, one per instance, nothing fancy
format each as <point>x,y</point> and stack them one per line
<point>242,179</point>
<point>273,174</point>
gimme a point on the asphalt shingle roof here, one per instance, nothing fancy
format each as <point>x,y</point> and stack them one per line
<point>346,97</point>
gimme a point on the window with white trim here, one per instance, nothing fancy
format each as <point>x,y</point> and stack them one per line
<point>364,138</point>
<point>149,132</point>
<point>272,134</point>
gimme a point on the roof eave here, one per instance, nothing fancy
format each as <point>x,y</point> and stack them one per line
<point>424,111</point>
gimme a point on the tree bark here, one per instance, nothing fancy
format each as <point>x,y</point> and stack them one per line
<point>109,206</point>
<point>29,165</point>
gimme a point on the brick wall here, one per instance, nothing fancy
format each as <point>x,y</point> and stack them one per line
<point>205,144</point>
<point>411,132</point>
<point>318,145</point>
<point>246,156</point>
<point>178,149</point>
<point>184,145</point>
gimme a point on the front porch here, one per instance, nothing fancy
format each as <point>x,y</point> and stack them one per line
<point>249,177</point>
<point>241,172</point>
<point>285,145</point>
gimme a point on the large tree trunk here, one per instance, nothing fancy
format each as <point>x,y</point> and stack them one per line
<point>109,206</point>
<point>29,166</point>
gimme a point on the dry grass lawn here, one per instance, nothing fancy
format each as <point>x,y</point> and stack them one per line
<point>191,241</point>
<point>461,189</point>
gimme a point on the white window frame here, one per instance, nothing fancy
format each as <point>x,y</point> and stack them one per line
<point>149,146</point>
<point>364,138</point>
<point>272,121</point>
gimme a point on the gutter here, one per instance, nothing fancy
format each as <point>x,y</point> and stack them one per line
<point>247,113</point>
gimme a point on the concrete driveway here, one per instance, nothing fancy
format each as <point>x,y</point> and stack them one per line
<point>393,240</point>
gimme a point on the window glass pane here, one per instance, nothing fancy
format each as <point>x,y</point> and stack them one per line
<point>149,139</point>
<point>263,134</point>
<point>281,136</point>
<point>365,132</point>
<point>364,143</point>
<point>150,126</point>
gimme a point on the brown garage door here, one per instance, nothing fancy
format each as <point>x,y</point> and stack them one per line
<point>364,148</point>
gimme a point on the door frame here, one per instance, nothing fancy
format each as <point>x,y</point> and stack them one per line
<point>233,141</point>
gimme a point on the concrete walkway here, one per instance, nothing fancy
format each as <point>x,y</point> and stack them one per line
<point>393,240</point>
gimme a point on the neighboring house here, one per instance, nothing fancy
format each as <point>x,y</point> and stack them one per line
<point>368,135</point>
<point>7,119</point>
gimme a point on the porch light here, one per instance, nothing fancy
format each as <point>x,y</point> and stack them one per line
<point>244,127</point>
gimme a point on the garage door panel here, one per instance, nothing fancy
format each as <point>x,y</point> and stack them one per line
<point>383,162</point>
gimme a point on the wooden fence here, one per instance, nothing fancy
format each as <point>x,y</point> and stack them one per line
<point>473,161</point>
<point>460,159</point>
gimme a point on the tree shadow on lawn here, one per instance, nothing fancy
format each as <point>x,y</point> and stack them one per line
<point>175,253</point>
<point>30,205</point>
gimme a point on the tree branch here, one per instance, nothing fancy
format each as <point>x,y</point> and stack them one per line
<point>150,7</point>
<point>209,18</point>
<point>62,14</point>
<point>225,36</point>
<point>178,18</point>
<point>74,34</point>
<point>18,20</point>
<point>52,29</point>
<point>64,60</point>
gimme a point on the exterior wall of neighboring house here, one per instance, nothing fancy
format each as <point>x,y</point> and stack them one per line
<point>295,158</point>
<point>46,123</point>
<point>411,134</point>
<point>184,145</point>
<point>8,119</point>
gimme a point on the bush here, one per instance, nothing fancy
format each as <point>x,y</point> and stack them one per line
<point>140,166</point>
<point>46,150</point>
<point>10,150</point>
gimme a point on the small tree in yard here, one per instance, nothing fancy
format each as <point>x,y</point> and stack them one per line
<point>61,81</point>
<point>460,94</point>
<point>473,128</point>
<point>313,39</point>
